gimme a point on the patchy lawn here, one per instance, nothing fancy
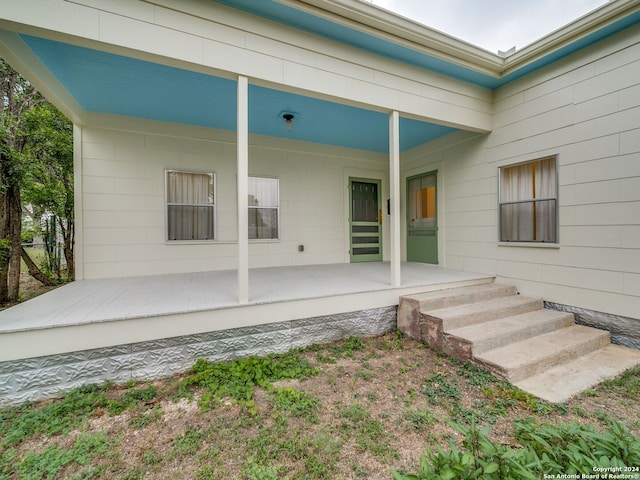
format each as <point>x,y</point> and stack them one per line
<point>353,409</point>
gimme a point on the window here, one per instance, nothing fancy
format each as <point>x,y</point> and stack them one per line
<point>529,202</point>
<point>263,208</point>
<point>190,205</point>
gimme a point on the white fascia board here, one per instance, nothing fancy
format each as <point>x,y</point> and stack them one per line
<point>22,59</point>
<point>403,31</point>
<point>400,30</point>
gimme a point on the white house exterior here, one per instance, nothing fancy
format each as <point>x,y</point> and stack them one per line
<point>201,87</point>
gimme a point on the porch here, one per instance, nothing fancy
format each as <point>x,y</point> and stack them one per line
<point>94,331</point>
<point>98,313</point>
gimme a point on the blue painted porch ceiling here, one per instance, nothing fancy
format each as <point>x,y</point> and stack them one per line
<point>119,85</point>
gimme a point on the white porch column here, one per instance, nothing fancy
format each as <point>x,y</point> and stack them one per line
<point>243,180</point>
<point>394,191</point>
<point>78,179</point>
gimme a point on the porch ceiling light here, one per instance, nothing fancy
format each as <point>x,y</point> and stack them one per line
<point>288,119</point>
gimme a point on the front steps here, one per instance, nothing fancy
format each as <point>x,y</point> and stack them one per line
<point>541,351</point>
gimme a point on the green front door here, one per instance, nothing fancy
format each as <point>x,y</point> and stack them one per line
<point>422,220</point>
<point>365,222</point>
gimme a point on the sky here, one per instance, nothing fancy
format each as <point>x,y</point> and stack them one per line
<point>492,24</point>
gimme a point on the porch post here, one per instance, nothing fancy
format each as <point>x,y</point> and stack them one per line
<point>243,180</point>
<point>394,191</point>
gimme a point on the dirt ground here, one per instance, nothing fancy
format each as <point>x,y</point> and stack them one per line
<point>30,288</point>
<point>374,406</point>
<point>378,406</point>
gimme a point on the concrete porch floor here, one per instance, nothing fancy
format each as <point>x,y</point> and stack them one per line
<point>91,301</point>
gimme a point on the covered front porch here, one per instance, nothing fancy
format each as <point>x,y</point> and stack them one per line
<point>105,312</point>
<point>116,329</point>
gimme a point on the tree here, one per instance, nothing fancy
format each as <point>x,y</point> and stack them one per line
<point>48,186</point>
<point>18,96</point>
<point>35,160</point>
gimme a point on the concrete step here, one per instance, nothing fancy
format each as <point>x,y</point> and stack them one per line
<point>498,333</point>
<point>410,306</point>
<point>560,383</point>
<point>534,355</point>
<point>483,311</point>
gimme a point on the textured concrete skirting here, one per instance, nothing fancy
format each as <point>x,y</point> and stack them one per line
<point>39,378</point>
<point>624,331</point>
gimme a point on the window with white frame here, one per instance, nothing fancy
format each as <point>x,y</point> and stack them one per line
<point>529,201</point>
<point>263,207</point>
<point>190,199</point>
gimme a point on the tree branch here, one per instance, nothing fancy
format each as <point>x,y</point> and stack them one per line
<point>34,271</point>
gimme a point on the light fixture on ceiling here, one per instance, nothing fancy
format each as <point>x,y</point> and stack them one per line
<point>288,120</point>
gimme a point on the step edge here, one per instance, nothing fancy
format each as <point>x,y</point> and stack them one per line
<point>516,372</point>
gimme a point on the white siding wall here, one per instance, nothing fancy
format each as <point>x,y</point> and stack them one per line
<point>123,200</point>
<point>585,109</point>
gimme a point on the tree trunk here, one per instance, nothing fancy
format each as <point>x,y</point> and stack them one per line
<point>34,271</point>
<point>10,230</point>
<point>69,257</point>
<point>5,247</point>
<point>66,226</point>
<point>15,231</point>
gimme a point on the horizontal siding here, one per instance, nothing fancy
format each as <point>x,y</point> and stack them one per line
<point>586,110</point>
<point>124,213</point>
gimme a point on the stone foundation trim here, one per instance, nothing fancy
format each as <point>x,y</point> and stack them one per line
<point>624,331</point>
<point>35,379</point>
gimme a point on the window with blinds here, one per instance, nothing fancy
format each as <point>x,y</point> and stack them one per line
<point>264,200</point>
<point>190,202</point>
<point>529,202</point>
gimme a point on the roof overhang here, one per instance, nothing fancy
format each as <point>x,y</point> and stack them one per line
<point>78,74</point>
<point>462,59</point>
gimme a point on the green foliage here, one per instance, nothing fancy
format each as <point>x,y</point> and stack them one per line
<point>238,379</point>
<point>438,389</point>
<point>5,248</point>
<point>261,472</point>
<point>477,376</point>
<point>393,342</point>
<point>567,449</point>
<point>132,398</point>
<point>59,417</point>
<point>505,396</point>
<point>419,420</point>
<point>145,419</point>
<point>367,432</point>
<point>188,443</point>
<point>627,384</point>
<point>36,146</point>
<point>47,463</point>
<point>298,403</point>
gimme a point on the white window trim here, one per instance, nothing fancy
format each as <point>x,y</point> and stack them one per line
<point>268,240</point>
<point>167,240</point>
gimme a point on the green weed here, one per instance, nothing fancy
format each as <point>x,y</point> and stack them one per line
<point>188,443</point>
<point>477,376</point>
<point>626,385</point>
<point>565,449</point>
<point>296,402</point>
<point>58,417</point>
<point>145,419</point>
<point>132,398</point>
<point>419,420</point>
<point>238,379</point>
<point>367,432</point>
<point>438,389</point>
<point>49,462</point>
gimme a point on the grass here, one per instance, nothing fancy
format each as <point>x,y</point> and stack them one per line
<point>355,409</point>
